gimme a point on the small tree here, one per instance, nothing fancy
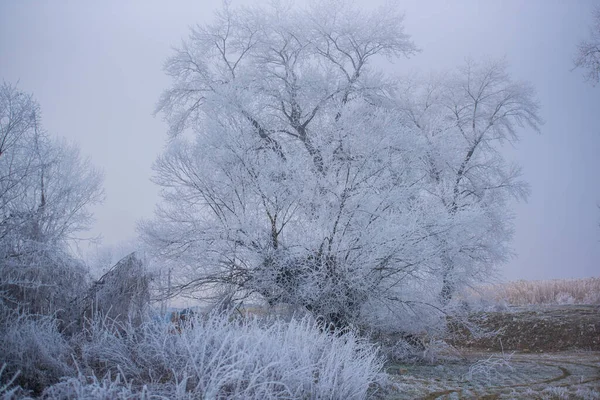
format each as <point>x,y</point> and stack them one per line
<point>46,189</point>
<point>122,294</point>
<point>588,51</point>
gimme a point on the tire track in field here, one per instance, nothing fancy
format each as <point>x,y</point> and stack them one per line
<point>530,376</point>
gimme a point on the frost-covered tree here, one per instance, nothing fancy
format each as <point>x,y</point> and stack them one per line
<point>465,117</point>
<point>46,189</point>
<point>588,51</point>
<point>293,173</point>
<point>297,184</point>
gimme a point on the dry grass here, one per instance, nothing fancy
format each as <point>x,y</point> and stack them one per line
<point>545,292</point>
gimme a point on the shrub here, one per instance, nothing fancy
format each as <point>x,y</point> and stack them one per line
<point>8,390</point>
<point>33,348</point>
<point>42,280</point>
<point>82,388</point>
<point>222,357</point>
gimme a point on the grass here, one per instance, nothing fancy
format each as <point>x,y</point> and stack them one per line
<point>541,292</point>
<point>217,356</point>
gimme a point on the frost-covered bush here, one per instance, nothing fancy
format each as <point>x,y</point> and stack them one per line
<point>480,299</point>
<point>223,357</point>
<point>418,350</point>
<point>42,280</point>
<point>93,388</point>
<point>122,294</point>
<point>402,350</point>
<point>108,347</point>
<point>33,348</point>
<point>8,388</point>
<point>490,368</point>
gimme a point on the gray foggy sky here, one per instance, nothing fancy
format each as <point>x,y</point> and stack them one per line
<point>96,69</point>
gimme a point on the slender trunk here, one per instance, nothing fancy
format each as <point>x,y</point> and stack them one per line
<point>448,289</point>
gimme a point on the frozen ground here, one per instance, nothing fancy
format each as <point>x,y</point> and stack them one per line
<point>537,328</point>
<point>540,358</point>
<point>480,375</point>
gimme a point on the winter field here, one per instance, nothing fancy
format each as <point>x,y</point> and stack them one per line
<point>536,352</point>
<point>546,345</point>
<point>484,375</point>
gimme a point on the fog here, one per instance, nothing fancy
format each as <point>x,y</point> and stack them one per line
<point>96,69</point>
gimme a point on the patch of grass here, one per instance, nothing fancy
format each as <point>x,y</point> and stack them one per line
<point>543,292</point>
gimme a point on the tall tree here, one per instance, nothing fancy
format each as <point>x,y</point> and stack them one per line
<point>293,174</point>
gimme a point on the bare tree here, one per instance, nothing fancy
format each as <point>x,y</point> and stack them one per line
<point>588,51</point>
<point>19,121</point>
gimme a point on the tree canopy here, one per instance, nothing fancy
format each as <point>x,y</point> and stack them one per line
<point>298,172</point>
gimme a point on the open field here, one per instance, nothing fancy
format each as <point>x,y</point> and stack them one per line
<point>482,375</point>
<point>540,352</point>
<point>536,329</point>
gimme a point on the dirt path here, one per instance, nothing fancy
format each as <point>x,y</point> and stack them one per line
<point>565,375</point>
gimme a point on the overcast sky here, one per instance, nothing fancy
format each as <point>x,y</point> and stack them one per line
<point>96,69</point>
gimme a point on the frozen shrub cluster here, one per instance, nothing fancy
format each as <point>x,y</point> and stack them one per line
<point>8,390</point>
<point>222,357</point>
<point>481,299</point>
<point>41,279</point>
<point>213,357</point>
<point>94,388</point>
<point>404,351</point>
<point>490,368</point>
<point>419,350</point>
<point>122,294</point>
<point>118,351</point>
<point>32,348</point>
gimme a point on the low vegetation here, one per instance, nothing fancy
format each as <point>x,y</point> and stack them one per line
<point>542,292</point>
<point>556,291</point>
<point>215,356</point>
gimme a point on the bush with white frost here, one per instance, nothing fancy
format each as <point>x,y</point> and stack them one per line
<point>216,357</point>
<point>122,294</point>
<point>93,388</point>
<point>222,357</point>
<point>490,368</point>
<point>32,348</point>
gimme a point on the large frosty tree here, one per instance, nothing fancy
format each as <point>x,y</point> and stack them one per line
<point>292,173</point>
